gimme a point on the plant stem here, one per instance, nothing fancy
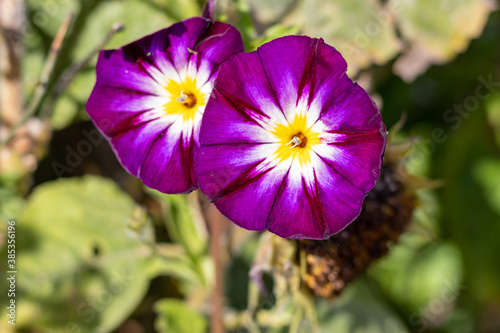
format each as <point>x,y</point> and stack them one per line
<point>209,10</point>
<point>41,89</point>
<point>215,221</point>
<point>70,73</point>
<point>12,24</point>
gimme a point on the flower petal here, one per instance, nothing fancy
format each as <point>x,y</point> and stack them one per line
<point>353,111</point>
<point>314,202</point>
<point>132,145</point>
<point>135,101</point>
<point>168,165</point>
<point>355,156</point>
<point>220,43</point>
<point>224,168</point>
<point>296,66</point>
<point>243,127</point>
<point>243,85</point>
<point>288,142</point>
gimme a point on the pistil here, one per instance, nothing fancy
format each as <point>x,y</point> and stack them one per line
<point>297,140</point>
<point>187,99</point>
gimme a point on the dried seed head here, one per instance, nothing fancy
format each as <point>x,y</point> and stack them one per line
<point>387,210</point>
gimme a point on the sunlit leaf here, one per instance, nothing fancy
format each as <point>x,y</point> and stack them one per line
<point>358,310</point>
<point>468,217</point>
<point>415,276</point>
<point>493,114</point>
<point>362,30</point>
<point>437,31</point>
<point>276,31</point>
<point>184,222</point>
<point>174,316</point>
<point>80,264</point>
<point>487,172</point>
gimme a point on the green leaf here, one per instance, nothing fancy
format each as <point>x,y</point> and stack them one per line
<point>276,31</point>
<point>487,174</point>
<point>362,30</point>
<point>184,222</point>
<point>174,316</point>
<point>172,260</point>
<point>358,310</point>
<point>80,264</point>
<point>493,114</point>
<point>140,19</point>
<point>469,218</point>
<point>437,30</point>
<point>415,277</point>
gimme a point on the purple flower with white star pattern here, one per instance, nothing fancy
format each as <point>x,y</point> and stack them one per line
<point>150,97</point>
<point>288,142</point>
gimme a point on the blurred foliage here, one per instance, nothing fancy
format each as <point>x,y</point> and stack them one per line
<point>82,248</point>
<point>359,310</point>
<point>94,256</point>
<point>374,32</point>
<point>177,317</point>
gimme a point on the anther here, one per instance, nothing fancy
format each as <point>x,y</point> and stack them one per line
<point>295,140</point>
<point>183,98</point>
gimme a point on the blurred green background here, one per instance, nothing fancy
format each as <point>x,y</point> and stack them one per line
<point>99,252</point>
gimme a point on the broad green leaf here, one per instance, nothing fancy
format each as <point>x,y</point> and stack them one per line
<point>276,31</point>
<point>437,31</point>
<point>493,114</point>
<point>487,173</point>
<point>468,217</point>
<point>174,316</point>
<point>240,16</point>
<point>80,263</point>
<point>358,310</point>
<point>414,275</point>
<point>140,19</point>
<point>362,30</point>
<point>65,112</point>
<point>172,260</point>
<point>11,203</point>
<point>47,16</point>
<point>184,222</point>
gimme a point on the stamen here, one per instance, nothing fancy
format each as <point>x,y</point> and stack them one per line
<point>295,140</point>
<point>183,98</point>
<point>188,99</point>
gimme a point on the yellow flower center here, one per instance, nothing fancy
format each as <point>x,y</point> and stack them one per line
<point>186,99</point>
<point>296,140</point>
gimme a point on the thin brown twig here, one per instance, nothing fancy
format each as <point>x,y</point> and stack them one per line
<point>12,24</point>
<point>41,89</point>
<point>69,74</point>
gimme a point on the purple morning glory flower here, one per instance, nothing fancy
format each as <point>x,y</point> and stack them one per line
<point>150,96</point>
<point>288,142</point>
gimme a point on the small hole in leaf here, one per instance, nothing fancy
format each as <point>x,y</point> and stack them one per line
<point>96,250</point>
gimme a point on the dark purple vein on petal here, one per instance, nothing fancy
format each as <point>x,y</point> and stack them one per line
<point>276,100</point>
<point>153,142</point>
<point>309,74</point>
<point>240,106</point>
<point>130,123</point>
<point>242,180</point>
<point>338,172</point>
<point>278,194</point>
<point>355,137</point>
<point>330,105</point>
<point>320,203</point>
<point>140,58</point>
